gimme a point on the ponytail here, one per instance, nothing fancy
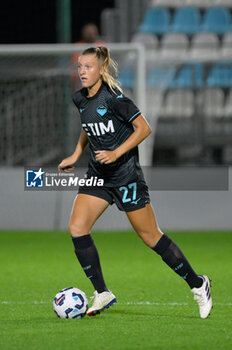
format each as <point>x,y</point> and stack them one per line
<point>109,66</point>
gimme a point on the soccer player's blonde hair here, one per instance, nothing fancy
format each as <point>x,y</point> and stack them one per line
<point>109,66</point>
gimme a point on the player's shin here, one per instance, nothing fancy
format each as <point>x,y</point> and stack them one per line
<point>174,258</point>
<point>88,257</point>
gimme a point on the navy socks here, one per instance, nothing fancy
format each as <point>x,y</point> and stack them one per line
<point>88,257</point>
<point>174,258</point>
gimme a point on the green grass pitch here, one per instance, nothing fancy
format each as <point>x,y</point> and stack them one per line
<point>155,308</point>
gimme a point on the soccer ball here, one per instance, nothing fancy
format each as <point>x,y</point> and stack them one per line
<point>70,303</point>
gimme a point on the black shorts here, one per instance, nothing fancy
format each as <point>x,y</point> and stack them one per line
<point>129,197</point>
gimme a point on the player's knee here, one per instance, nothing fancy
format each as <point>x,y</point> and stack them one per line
<point>78,229</point>
<point>150,238</point>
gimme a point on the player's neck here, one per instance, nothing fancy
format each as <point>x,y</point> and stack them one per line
<point>94,89</point>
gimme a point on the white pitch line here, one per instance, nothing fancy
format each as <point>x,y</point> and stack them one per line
<point>153,303</point>
<point>142,303</point>
<point>25,302</point>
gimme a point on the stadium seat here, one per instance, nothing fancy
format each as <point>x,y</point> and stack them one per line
<point>205,40</point>
<point>220,75</point>
<point>206,44</point>
<point>228,105</point>
<point>127,78</point>
<point>173,45</point>
<point>174,41</point>
<point>195,3</point>
<point>160,77</point>
<point>217,20</point>
<point>216,128</point>
<point>166,3</point>
<point>149,40</point>
<point>156,20</point>
<point>211,102</point>
<point>178,103</point>
<point>154,100</point>
<point>189,75</point>
<point>186,20</point>
<point>227,40</point>
<point>227,43</point>
<point>175,125</point>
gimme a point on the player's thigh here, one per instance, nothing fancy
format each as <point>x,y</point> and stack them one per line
<point>86,209</point>
<point>145,224</point>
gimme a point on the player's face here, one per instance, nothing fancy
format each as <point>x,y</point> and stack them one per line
<point>89,70</point>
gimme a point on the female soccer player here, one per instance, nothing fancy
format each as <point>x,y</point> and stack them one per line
<point>113,126</point>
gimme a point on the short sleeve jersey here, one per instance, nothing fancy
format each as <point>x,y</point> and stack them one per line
<point>106,118</point>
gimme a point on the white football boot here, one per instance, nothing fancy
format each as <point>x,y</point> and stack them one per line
<point>101,301</point>
<point>203,297</point>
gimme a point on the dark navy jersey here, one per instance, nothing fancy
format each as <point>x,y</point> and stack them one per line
<point>106,118</point>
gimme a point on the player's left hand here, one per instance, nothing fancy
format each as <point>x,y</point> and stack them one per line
<point>106,157</point>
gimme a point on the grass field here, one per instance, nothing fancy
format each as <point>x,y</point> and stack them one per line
<point>155,308</point>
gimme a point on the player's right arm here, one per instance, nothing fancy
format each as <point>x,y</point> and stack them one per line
<point>67,164</point>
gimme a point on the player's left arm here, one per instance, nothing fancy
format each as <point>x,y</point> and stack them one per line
<point>142,130</point>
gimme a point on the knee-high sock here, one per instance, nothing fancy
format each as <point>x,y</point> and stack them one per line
<point>88,257</point>
<point>174,258</point>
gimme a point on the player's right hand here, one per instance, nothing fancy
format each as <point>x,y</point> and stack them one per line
<point>66,165</point>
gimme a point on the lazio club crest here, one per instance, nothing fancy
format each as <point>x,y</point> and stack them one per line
<point>102,110</point>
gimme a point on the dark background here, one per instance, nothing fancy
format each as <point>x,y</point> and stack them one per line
<point>34,21</point>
